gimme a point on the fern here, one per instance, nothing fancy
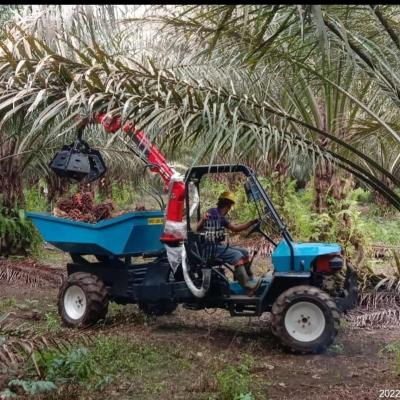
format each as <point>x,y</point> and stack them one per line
<point>18,236</point>
<point>33,387</point>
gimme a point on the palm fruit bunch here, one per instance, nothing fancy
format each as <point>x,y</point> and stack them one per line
<point>65,205</point>
<point>87,202</point>
<point>75,214</point>
<point>104,210</point>
<point>81,207</point>
<point>77,200</point>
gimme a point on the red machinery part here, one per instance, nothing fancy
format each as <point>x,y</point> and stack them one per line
<point>329,263</point>
<point>173,224</point>
<point>150,151</point>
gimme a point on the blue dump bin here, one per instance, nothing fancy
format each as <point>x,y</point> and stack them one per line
<point>129,234</point>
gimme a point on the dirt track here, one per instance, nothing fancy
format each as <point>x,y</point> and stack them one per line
<point>352,368</point>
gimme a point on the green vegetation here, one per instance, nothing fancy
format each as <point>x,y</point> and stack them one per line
<point>7,303</point>
<point>35,198</point>
<point>235,382</point>
<point>17,234</point>
<point>383,230</point>
<point>109,359</point>
<point>52,322</point>
<point>361,227</point>
<point>307,95</point>
<point>31,387</point>
<point>393,349</point>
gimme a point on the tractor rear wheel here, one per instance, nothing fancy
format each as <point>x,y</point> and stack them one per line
<point>305,319</point>
<point>82,300</point>
<point>158,309</point>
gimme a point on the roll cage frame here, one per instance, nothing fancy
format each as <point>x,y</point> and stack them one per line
<point>195,174</point>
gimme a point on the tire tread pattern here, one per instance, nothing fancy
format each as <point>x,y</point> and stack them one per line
<point>282,304</point>
<point>96,299</point>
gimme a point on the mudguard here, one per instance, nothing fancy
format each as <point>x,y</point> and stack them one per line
<point>349,300</point>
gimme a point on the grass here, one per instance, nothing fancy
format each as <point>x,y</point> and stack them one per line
<point>117,363</point>
<point>7,303</point>
<point>109,361</point>
<point>337,348</point>
<point>54,256</point>
<point>234,382</point>
<point>52,322</point>
<point>383,230</point>
<point>393,349</point>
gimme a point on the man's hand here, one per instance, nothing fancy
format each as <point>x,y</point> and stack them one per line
<point>242,227</point>
<point>200,224</point>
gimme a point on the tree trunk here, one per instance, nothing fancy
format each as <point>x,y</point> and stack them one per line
<point>322,183</point>
<point>380,200</point>
<point>11,185</point>
<point>11,198</point>
<point>56,187</point>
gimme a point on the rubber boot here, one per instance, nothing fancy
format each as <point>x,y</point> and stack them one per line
<point>243,279</point>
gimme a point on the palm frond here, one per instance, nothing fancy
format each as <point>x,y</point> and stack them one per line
<point>15,351</point>
<point>198,99</point>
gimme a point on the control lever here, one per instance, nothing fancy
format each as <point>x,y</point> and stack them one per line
<point>248,266</point>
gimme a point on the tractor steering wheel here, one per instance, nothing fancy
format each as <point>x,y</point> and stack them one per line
<point>255,228</point>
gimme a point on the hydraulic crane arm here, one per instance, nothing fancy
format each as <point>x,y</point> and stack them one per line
<point>174,228</point>
<point>150,152</point>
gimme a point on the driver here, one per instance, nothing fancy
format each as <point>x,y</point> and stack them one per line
<point>233,255</point>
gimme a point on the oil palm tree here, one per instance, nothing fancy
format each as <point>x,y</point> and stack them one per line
<point>192,95</point>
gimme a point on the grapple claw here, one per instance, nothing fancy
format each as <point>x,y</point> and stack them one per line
<point>78,161</point>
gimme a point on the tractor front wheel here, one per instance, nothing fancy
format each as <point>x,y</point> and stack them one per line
<point>305,319</point>
<point>82,300</point>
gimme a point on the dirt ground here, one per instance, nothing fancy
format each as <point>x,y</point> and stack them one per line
<point>354,367</point>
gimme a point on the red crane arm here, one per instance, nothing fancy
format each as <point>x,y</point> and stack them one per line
<point>149,150</point>
<point>173,228</point>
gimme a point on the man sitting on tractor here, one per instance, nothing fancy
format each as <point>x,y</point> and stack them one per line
<point>236,256</point>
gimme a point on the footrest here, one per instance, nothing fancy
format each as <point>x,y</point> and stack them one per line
<point>244,306</point>
<point>243,299</point>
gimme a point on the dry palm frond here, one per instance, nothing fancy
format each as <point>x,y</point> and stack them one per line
<point>379,299</point>
<point>14,353</point>
<point>11,327</point>
<point>384,251</point>
<point>378,318</point>
<point>30,273</point>
<point>15,350</point>
<point>263,247</point>
<point>377,308</point>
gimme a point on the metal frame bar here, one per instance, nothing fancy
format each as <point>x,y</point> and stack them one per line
<point>197,172</point>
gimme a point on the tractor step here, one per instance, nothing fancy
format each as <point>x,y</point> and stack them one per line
<point>243,299</point>
<point>241,305</point>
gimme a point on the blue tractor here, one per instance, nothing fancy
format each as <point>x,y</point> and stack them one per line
<point>133,266</point>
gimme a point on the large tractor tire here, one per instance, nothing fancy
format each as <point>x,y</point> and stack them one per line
<point>158,309</point>
<point>305,319</point>
<point>82,300</point>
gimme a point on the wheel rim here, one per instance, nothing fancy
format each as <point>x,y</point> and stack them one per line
<point>304,321</point>
<point>74,302</point>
